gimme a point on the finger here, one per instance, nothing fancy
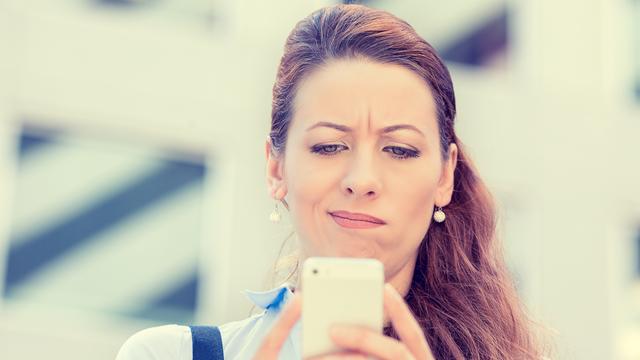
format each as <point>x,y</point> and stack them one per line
<point>341,356</point>
<point>272,343</point>
<point>405,324</point>
<point>367,341</point>
<point>346,357</point>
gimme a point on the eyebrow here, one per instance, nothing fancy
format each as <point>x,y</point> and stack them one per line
<point>347,129</point>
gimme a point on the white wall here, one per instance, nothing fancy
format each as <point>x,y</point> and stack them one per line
<point>553,135</point>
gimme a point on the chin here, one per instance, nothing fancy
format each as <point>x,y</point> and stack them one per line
<point>356,253</point>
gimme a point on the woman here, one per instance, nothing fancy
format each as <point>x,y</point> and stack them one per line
<point>363,154</point>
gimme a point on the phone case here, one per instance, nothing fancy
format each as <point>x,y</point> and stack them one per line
<point>339,291</point>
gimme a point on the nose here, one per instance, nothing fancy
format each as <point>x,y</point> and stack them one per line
<point>362,179</point>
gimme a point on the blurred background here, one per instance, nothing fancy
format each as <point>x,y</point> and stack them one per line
<point>132,165</point>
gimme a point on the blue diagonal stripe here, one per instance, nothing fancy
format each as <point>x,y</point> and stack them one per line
<point>31,255</point>
<point>183,296</point>
<point>476,46</point>
<point>177,305</point>
<point>32,142</point>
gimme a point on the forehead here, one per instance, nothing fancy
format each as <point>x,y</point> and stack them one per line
<point>355,91</point>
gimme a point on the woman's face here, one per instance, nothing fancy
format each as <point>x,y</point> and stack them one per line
<point>363,139</point>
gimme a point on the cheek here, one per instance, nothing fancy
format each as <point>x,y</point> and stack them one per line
<point>310,181</point>
<point>311,185</point>
<point>416,195</point>
<point>414,200</point>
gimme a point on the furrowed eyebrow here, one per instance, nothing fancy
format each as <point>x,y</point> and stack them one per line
<point>338,127</point>
<point>391,128</point>
<point>347,129</point>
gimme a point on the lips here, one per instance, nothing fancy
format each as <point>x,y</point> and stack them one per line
<point>357,216</point>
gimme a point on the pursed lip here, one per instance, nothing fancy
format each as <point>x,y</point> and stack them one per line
<point>357,216</point>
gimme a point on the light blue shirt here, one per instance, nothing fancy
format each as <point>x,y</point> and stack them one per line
<point>240,339</point>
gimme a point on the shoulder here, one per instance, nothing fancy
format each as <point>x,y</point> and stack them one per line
<point>241,339</point>
<point>239,336</point>
<point>167,342</point>
<point>173,342</point>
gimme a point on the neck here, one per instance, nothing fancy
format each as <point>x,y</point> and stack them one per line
<point>401,281</point>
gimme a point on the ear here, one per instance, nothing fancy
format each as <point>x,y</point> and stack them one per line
<point>445,184</point>
<point>276,186</point>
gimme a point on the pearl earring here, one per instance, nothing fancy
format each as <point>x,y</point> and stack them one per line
<point>439,215</point>
<point>275,214</point>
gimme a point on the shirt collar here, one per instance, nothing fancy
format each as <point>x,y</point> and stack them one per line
<point>271,299</point>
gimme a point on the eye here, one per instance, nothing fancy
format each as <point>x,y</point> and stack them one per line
<point>328,150</point>
<point>403,153</point>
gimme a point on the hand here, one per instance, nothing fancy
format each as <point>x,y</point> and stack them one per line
<point>272,342</point>
<point>365,342</point>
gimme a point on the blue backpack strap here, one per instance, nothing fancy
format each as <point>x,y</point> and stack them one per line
<point>206,343</point>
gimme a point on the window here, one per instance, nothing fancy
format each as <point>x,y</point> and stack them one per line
<point>105,226</point>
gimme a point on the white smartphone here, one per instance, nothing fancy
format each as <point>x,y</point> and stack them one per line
<point>339,291</point>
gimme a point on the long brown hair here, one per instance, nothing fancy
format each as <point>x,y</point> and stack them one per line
<point>461,292</point>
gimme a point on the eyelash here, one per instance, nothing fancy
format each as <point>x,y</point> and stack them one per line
<point>408,153</point>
